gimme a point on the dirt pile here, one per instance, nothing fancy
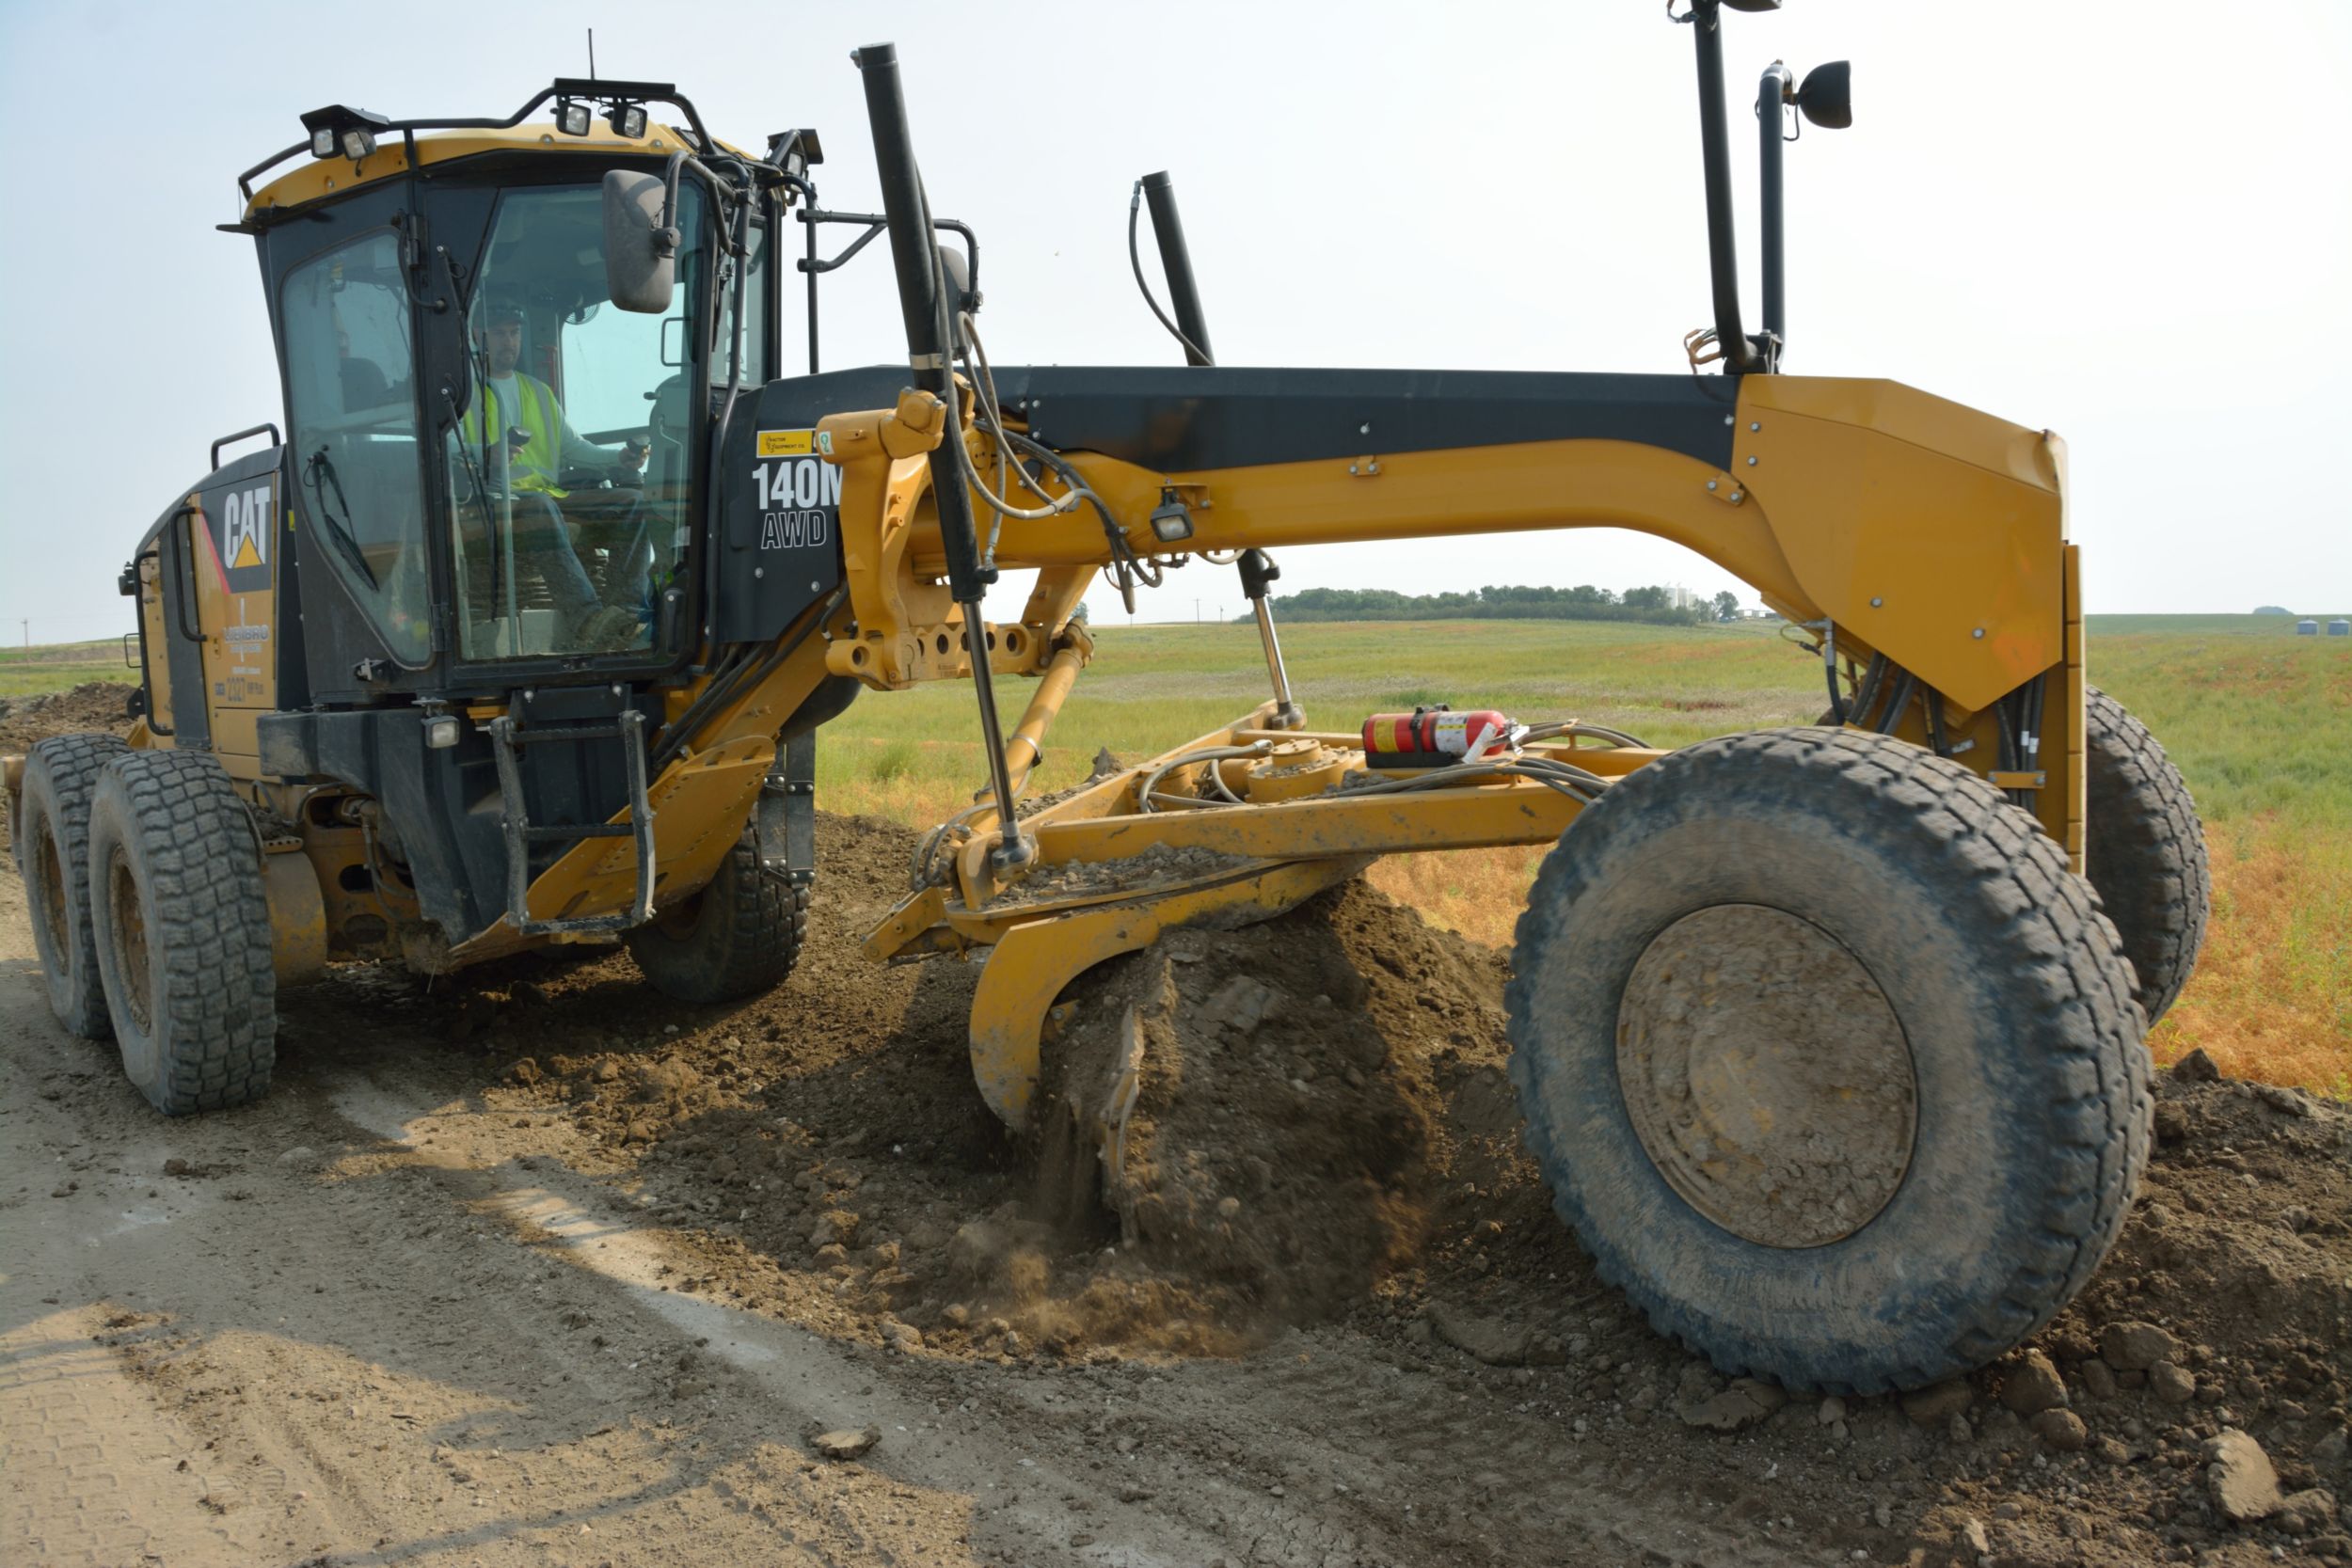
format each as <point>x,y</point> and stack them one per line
<point>1259,1108</point>
<point>1319,1131</point>
<point>91,705</point>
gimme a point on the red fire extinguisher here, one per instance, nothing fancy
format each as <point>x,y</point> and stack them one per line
<point>1435,736</point>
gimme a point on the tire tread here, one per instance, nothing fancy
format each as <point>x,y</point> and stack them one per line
<point>2007,868</point>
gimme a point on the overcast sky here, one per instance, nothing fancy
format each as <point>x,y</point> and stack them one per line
<point>2129,224</point>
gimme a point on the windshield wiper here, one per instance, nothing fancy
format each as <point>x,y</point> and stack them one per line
<point>321,473</point>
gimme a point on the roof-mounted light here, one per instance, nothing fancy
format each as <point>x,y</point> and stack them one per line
<point>340,131</point>
<point>626,119</point>
<point>571,118</point>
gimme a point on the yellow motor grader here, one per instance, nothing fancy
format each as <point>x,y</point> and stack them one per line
<point>1829,1040</point>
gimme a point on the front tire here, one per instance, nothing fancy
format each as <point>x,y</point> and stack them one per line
<point>738,937</point>
<point>182,932</point>
<point>1830,1062</point>
<point>52,834</point>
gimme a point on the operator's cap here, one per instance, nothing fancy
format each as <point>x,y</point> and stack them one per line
<point>504,309</point>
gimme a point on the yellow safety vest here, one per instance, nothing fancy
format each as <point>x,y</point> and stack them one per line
<point>535,466</point>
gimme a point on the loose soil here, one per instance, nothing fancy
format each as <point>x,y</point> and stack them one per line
<point>535,1266</point>
<point>91,705</point>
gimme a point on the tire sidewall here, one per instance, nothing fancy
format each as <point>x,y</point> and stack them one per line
<point>1895,1294</point>
<point>75,995</point>
<point>36,828</point>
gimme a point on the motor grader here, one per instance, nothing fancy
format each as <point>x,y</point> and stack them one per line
<point>1828,1039</point>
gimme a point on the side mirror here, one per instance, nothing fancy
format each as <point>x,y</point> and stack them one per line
<point>640,251</point>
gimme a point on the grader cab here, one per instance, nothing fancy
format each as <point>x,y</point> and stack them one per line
<point>1829,1040</point>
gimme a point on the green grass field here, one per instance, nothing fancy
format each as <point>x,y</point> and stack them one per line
<point>61,667</point>
<point>2258,721</point>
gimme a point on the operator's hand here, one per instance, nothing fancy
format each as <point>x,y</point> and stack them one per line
<point>633,456</point>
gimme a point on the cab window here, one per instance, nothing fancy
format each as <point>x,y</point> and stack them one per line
<point>354,431</point>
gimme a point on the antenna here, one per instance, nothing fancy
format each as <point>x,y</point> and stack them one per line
<point>592,54</point>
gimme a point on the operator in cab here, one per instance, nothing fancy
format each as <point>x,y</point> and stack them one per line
<point>509,401</point>
<point>515,424</point>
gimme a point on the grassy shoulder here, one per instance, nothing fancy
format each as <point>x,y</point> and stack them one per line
<point>61,667</point>
<point>2258,720</point>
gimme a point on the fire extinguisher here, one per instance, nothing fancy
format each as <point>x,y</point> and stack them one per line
<point>1437,736</point>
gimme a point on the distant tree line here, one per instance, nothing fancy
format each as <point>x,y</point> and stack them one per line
<point>1652,605</point>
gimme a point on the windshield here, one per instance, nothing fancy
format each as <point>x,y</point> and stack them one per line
<point>571,468</point>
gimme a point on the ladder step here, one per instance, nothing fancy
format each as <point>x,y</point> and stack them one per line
<point>590,830</point>
<point>568,731</point>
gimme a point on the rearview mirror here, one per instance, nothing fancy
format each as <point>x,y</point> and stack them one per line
<point>640,251</point>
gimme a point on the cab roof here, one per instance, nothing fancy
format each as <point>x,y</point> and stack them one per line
<point>437,141</point>
<point>325,177</point>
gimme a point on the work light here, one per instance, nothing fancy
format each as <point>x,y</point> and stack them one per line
<point>628,119</point>
<point>572,118</point>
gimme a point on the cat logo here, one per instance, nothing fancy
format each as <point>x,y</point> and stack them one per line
<point>241,534</point>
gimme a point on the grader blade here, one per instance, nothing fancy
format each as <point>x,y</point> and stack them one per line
<point>1034,960</point>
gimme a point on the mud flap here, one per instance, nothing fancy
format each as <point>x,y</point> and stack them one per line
<point>786,821</point>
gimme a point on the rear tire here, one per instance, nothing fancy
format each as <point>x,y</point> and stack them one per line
<point>52,837</point>
<point>2145,850</point>
<point>737,938</point>
<point>1830,1062</point>
<point>182,932</point>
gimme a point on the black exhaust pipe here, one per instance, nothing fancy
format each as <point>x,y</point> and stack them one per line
<point>1772,90</point>
<point>1738,355</point>
<point>1176,265</point>
<point>914,254</point>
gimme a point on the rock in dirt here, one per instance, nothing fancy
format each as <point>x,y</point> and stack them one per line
<point>1934,1406</point>
<point>2062,1430</point>
<point>847,1442</point>
<point>2135,1347</point>
<point>2240,1477</point>
<point>1744,1403</point>
<point>1241,1005</point>
<point>300,1154</point>
<point>2196,1068</point>
<point>2284,1100</point>
<point>1498,1345</point>
<point>2098,1379</point>
<point>2307,1512</point>
<point>2171,1384</point>
<point>2031,1383</point>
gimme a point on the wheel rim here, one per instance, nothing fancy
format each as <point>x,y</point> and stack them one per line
<point>130,934</point>
<point>48,892</point>
<point>677,921</point>
<point>1767,1076</point>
